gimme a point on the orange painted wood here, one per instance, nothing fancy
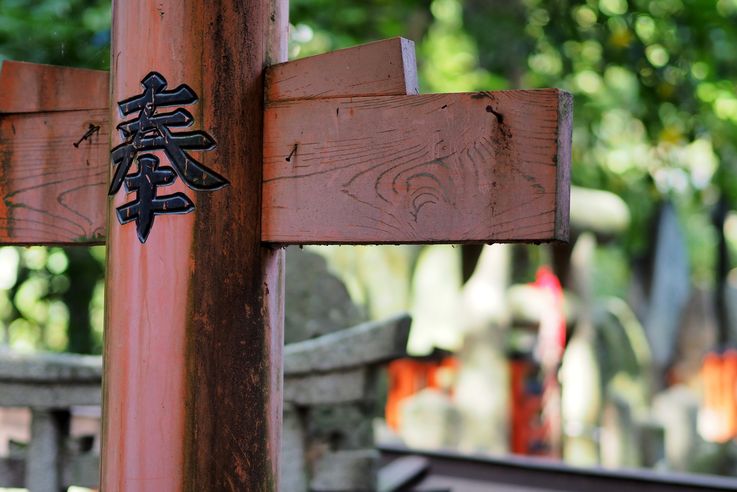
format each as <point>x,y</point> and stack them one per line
<point>53,192</point>
<point>381,68</point>
<point>32,87</point>
<point>193,335</point>
<point>448,168</point>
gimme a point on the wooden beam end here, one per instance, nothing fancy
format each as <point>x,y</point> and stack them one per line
<point>409,61</point>
<point>563,165</point>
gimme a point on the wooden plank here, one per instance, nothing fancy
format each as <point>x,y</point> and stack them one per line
<point>32,87</point>
<point>60,202</point>
<point>52,180</point>
<point>381,68</point>
<point>53,191</point>
<point>193,340</point>
<point>442,168</point>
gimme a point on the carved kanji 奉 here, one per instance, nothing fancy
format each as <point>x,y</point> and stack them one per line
<point>148,132</point>
<point>337,148</point>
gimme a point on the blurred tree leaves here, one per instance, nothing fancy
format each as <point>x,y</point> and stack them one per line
<point>341,24</point>
<point>60,32</point>
<point>653,80</point>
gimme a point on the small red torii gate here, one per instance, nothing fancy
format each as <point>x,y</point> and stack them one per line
<point>333,149</point>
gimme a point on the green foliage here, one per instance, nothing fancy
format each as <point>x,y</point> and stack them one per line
<point>653,80</point>
<point>656,110</point>
<point>323,25</point>
<point>60,32</point>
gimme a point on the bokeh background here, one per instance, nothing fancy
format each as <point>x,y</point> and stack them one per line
<point>616,349</point>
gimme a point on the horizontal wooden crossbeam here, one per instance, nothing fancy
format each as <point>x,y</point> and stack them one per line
<point>351,155</point>
<point>55,192</point>
<point>440,168</point>
<point>52,180</point>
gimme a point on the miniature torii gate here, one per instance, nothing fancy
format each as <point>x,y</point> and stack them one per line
<point>333,149</point>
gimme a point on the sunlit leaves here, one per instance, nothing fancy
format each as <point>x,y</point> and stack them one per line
<point>448,12</point>
<point>727,8</point>
<point>613,7</point>
<point>9,259</point>
<point>450,55</point>
<point>31,310</point>
<point>657,55</point>
<point>585,17</point>
<point>699,70</point>
<point>57,262</point>
<point>722,97</point>
<point>547,62</point>
<point>645,28</point>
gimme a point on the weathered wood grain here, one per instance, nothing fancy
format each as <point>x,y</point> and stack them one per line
<point>441,168</point>
<point>32,87</point>
<point>64,201</point>
<point>53,192</point>
<point>386,67</point>
<point>194,316</point>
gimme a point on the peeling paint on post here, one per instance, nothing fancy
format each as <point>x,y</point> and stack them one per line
<point>193,339</point>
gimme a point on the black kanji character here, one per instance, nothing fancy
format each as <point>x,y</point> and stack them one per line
<point>151,131</point>
<point>147,205</point>
<point>148,132</point>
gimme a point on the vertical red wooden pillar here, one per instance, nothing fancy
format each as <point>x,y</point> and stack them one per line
<point>193,336</point>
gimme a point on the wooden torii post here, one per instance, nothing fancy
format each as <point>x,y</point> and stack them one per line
<point>222,155</point>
